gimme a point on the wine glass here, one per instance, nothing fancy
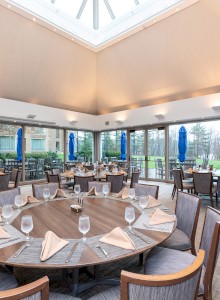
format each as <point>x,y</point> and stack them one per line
<point>77,190</point>
<point>7,212</point>
<point>129,215</point>
<point>131,193</point>
<point>18,201</point>
<point>27,225</point>
<point>46,194</point>
<point>105,190</point>
<point>143,202</point>
<point>84,225</point>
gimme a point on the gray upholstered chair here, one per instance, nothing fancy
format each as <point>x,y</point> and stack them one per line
<point>203,183</point>
<point>98,185</point>
<point>179,183</point>
<point>15,179</point>
<point>89,167</point>
<point>83,182</point>
<point>180,285</point>
<point>116,182</point>
<point>134,178</point>
<point>39,187</point>
<point>8,197</point>
<point>4,181</point>
<point>164,261</point>
<point>146,189</point>
<point>37,290</point>
<point>56,171</point>
<point>187,214</point>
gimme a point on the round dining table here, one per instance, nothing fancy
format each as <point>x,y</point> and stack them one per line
<point>56,215</point>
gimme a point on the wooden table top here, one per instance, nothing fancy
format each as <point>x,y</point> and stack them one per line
<point>57,216</point>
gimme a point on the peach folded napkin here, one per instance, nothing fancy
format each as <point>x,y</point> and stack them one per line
<point>4,234</point>
<point>28,199</point>
<point>121,172</point>
<point>160,217</point>
<point>88,173</point>
<point>2,173</point>
<point>123,193</point>
<point>117,237</point>
<point>51,245</point>
<point>67,173</point>
<point>92,191</point>
<point>190,170</point>
<point>152,202</point>
<point>59,193</point>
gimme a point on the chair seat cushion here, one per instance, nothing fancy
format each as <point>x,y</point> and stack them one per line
<point>11,184</point>
<point>188,180</point>
<point>178,240</point>
<point>188,185</point>
<point>109,294</point>
<point>7,280</point>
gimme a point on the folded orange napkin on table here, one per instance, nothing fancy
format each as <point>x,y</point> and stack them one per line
<point>28,199</point>
<point>92,191</point>
<point>51,245</point>
<point>190,170</point>
<point>152,202</point>
<point>66,173</point>
<point>119,238</point>
<point>160,217</point>
<point>4,234</point>
<point>123,193</point>
<point>59,193</point>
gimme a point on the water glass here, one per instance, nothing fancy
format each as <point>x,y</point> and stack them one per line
<point>131,193</point>
<point>46,194</point>
<point>105,190</point>
<point>7,212</point>
<point>84,225</point>
<point>143,202</point>
<point>27,225</point>
<point>77,189</point>
<point>129,215</point>
<point>18,201</point>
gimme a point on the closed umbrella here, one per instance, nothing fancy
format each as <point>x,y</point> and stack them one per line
<point>71,146</point>
<point>19,144</point>
<point>123,146</point>
<point>182,144</point>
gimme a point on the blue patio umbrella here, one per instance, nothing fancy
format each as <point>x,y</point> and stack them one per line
<point>182,144</point>
<point>19,144</point>
<point>123,146</point>
<point>71,146</point>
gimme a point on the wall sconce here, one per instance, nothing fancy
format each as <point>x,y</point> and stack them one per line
<point>159,116</point>
<point>216,108</point>
<point>120,122</point>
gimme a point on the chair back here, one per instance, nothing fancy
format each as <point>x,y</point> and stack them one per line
<point>177,286</point>
<point>8,197</point>
<point>13,175</point>
<point>39,187</point>
<point>134,178</point>
<point>210,243</point>
<point>83,182</point>
<point>98,185</point>
<point>54,178</point>
<point>89,167</point>
<point>186,175</point>
<point>2,170</point>
<point>187,214</point>
<point>116,182</point>
<point>203,183</point>
<point>4,181</point>
<point>146,189</point>
<point>177,175</point>
<point>56,171</point>
<point>18,179</point>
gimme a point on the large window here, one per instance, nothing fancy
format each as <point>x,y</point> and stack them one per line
<point>111,145</point>
<point>7,143</point>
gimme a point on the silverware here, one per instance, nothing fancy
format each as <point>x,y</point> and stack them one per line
<point>27,244</point>
<point>8,241</point>
<point>71,253</point>
<point>139,236</point>
<point>103,250</point>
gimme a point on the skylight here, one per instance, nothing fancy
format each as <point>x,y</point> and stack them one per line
<point>97,22</point>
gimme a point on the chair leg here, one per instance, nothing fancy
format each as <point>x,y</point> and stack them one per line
<point>141,258</point>
<point>211,200</point>
<point>216,198</point>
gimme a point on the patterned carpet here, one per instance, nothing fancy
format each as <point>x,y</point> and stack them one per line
<point>113,269</point>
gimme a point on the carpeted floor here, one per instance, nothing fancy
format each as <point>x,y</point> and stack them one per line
<point>114,269</point>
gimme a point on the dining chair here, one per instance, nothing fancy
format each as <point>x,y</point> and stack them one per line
<point>186,176</point>
<point>116,182</point>
<point>83,181</point>
<point>179,183</point>
<point>146,189</point>
<point>8,197</point>
<point>134,178</point>
<point>178,285</point>
<point>15,179</point>
<point>56,171</point>
<point>98,185</point>
<point>37,290</point>
<point>89,167</point>
<point>4,181</point>
<point>39,187</point>
<point>187,214</point>
<point>161,260</point>
<point>203,183</point>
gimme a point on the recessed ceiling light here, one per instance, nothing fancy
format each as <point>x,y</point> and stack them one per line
<point>9,6</point>
<point>177,9</point>
<point>54,29</point>
<point>34,19</point>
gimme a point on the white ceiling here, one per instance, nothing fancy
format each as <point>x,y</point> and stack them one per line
<point>175,58</point>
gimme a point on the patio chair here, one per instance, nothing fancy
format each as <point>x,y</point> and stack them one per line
<point>160,171</point>
<point>116,182</point>
<point>180,184</point>
<point>15,178</point>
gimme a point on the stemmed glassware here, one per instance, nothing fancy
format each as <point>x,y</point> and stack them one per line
<point>77,189</point>
<point>105,190</point>
<point>143,203</point>
<point>7,212</point>
<point>18,201</point>
<point>84,225</point>
<point>46,194</point>
<point>27,225</point>
<point>131,193</point>
<point>129,215</point>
